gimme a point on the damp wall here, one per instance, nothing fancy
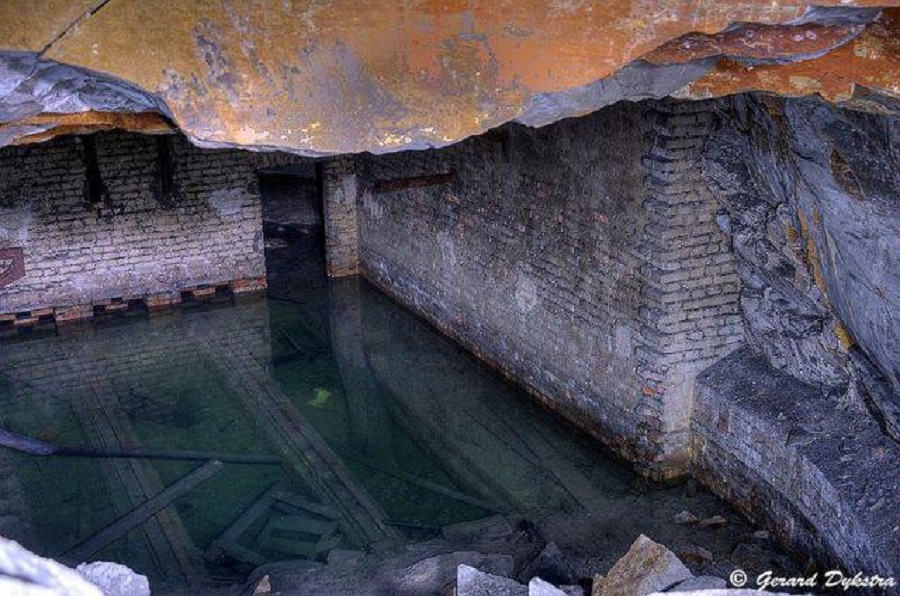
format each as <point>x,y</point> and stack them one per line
<point>114,215</point>
<point>582,259</point>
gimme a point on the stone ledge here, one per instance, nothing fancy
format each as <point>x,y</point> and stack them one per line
<point>794,460</point>
<point>237,290</point>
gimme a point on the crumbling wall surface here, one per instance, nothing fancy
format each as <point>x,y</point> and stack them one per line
<point>809,195</point>
<point>124,232</point>
<point>824,478</point>
<point>582,260</point>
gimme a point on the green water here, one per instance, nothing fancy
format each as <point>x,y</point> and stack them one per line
<point>335,372</point>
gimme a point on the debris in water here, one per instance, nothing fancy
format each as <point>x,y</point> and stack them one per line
<point>685,517</point>
<point>321,398</point>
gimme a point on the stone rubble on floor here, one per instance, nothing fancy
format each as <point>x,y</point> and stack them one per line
<point>23,572</point>
<point>647,569</point>
<point>471,582</point>
<point>488,557</point>
<point>114,579</point>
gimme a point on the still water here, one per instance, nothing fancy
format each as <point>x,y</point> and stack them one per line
<point>379,431</point>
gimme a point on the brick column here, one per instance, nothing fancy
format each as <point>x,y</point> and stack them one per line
<point>340,190</point>
<point>691,316</point>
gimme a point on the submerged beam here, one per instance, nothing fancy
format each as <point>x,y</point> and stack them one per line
<point>140,514</point>
<point>106,424</point>
<point>302,448</point>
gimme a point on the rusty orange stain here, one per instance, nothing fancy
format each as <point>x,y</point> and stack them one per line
<point>871,60</point>
<point>30,25</point>
<point>49,126</point>
<point>337,76</point>
<point>759,42</point>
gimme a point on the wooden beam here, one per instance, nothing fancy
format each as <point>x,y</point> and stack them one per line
<point>117,529</point>
<point>132,482</point>
<point>295,440</point>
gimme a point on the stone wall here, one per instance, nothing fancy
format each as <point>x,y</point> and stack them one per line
<point>809,202</point>
<point>823,477</point>
<point>581,259</point>
<point>801,429</point>
<point>157,215</point>
<point>340,191</point>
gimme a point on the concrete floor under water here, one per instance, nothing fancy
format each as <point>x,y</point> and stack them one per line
<point>384,432</point>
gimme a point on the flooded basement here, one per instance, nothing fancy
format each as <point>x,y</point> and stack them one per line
<point>341,421</point>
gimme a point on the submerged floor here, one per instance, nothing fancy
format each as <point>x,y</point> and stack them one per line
<point>373,417</point>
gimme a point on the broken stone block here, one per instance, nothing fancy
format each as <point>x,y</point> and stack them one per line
<point>428,575</point>
<point>538,587</point>
<point>263,587</point>
<point>695,554</point>
<point>597,585</point>
<point>716,521</point>
<point>23,572</point>
<point>471,582</point>
<point>647,567</point>
<point>344,557</point>
<point>685,517</point>
<point>549,565</point>
<point>704,582</point>
<point>114,579</point>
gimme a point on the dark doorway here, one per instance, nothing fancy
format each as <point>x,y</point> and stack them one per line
<point>293,229</point>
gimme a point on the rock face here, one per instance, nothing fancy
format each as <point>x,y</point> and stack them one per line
<point>809,201</point>
<point>37,96</point>
<point>332,77</point>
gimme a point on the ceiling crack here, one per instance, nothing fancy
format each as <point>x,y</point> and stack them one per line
<point>73,25</point>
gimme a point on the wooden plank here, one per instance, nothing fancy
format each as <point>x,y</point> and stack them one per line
<point>296,548</point>
<point>84,550</point>
<point>326,543</point>
<point>298,502</point>
<point>370,424</point>
<point>243,555</point>
<point>35,447</point>
<point>132,482</point>
<point>412,526</point>
<point>123,488</point>
<point>148,483</point>
<point>296,524</point>
<point>301,447</point>
<point>241,524</point>
<point>427,485</point>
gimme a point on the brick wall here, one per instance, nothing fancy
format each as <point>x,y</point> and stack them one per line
<point>131,244</point>
<point>340,190</point>
<point>581,259</point>
<point>690,315</point>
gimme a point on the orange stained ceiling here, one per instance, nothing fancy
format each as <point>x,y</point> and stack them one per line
<point>336,76</point>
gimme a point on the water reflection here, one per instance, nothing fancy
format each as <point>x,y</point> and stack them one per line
<point>384,430</point>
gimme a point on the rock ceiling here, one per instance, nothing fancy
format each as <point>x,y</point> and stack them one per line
<point>337,76</point>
